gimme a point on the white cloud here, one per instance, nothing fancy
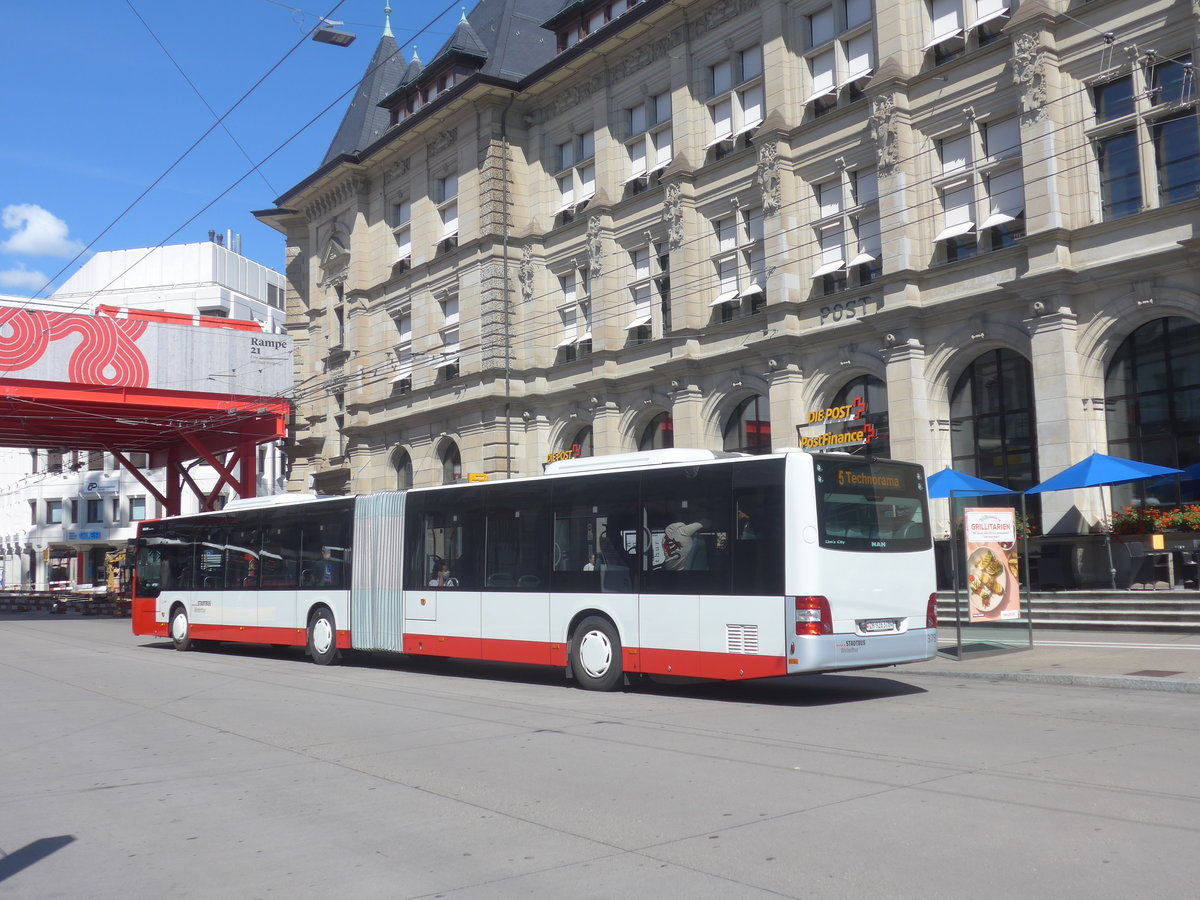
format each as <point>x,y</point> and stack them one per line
<point>36,232</point>
<point>21,277</point>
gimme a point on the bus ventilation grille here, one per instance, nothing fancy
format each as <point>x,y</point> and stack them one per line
<point>741,638</point>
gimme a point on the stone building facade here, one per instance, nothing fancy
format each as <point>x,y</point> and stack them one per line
<point>726,224</point>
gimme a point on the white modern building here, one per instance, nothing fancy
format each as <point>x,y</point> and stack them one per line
<point>62,509</point>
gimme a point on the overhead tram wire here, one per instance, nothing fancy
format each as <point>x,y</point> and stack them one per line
<point>540,332</point>
<point>171,168</point>
<point>196,91</point>
<point>387,367</point>
<point>337,100</point>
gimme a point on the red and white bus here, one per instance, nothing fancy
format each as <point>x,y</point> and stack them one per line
<point>673,562</point>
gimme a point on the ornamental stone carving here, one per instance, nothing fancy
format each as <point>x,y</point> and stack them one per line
<point>443,141</point>
<point>595,247</point>
<point>1029,74</point>
<point>768,177</point>
<point>885,133</point>
<point>525,273</point>
<point>673,216</point>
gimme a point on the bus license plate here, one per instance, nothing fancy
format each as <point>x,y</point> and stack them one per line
<point>871,626</point>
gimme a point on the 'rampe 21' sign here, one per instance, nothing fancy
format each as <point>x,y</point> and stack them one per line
<point>851,412</point>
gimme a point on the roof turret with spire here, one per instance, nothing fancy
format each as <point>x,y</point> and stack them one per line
<point>364,121</point>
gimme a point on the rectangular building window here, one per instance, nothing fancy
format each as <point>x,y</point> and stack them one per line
<point>446,197</point>
<point>736,97</point>
<point>402,230</point>
<point>576,176</point>
<point>54,512</point>
<point>1120,178</point>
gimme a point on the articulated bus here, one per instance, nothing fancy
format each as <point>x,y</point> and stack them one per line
<point>670,562</point>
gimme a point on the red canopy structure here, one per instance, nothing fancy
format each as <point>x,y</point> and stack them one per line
<point>176,387</point>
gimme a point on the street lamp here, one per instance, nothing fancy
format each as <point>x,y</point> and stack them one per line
<point>325,33</point>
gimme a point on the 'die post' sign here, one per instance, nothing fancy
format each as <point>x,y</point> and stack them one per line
<point>854,411</point>
<point>993,586</point>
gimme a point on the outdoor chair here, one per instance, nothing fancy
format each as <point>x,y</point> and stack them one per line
<point>1154,563</point>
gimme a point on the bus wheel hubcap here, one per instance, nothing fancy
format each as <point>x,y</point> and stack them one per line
<point>595,653</point>
<point>322,635</point>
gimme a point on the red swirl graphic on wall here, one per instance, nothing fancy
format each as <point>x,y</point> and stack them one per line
<point>107,353</point>
<point>23,337</point>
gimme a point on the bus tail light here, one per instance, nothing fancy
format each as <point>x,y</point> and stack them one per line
<point>813,616</point>
<point>931,612</point>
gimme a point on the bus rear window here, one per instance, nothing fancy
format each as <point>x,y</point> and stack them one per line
<point>865,504</point>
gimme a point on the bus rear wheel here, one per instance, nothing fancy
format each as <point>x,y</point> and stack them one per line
<point>322,637</point>
<point>180,633</point>
<point>596,655</point>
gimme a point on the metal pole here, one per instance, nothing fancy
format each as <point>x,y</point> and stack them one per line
<point>958,644</point>
<point>507,301</point>
<point>1026,567</point>
<point>1112,569</point>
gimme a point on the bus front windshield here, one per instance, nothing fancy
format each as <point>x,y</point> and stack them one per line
<point>875,505</point>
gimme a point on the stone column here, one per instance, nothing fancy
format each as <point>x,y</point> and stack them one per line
<point>910,416</point>
<point>786,395</point>
<point>687,414</point>
<point>1061,403</point>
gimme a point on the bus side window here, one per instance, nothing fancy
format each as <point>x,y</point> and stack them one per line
<point>281,557</point>
<point>687,520</point>
<point>758,546</point>
<point>449,530</point>
<point>210,557</point>
<point>517,533</point>
<point>242,558</point>
<point>595,541</point>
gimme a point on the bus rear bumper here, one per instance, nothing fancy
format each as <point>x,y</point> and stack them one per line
<point>832,652</point>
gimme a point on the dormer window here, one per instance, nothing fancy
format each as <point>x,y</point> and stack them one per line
<point>583,24</point>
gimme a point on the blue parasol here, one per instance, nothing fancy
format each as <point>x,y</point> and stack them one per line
<point>946,482</point>
<point>1098,470</point>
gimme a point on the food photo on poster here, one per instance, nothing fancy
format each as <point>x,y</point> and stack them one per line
<point>993,585</point>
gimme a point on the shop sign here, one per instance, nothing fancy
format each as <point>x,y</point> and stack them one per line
<point>102,486</point>
<point>993,586</point>
<point>560,455</point>
<point>477,476</point>
<point>851,412</point>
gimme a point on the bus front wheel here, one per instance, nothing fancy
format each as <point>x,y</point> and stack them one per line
<point>596,655</point>
<point>180,635</point>
<point>322,637</point>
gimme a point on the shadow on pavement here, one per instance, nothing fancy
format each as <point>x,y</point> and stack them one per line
<point>31,853</point>
<point>788,690</point>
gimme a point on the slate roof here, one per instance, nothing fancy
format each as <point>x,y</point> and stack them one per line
<point>506,36</point>
<point>364,121</point>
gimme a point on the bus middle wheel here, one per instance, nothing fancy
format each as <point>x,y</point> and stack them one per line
<point>596,655</point>
<point>322,637</point>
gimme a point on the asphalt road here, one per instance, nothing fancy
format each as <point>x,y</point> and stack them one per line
<point>130,770</point>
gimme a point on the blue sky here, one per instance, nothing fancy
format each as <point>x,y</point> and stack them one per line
<point>97,111</point>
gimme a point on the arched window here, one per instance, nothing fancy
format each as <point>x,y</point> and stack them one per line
<point>402,464</point>
<point>1152,397</point>
<point>748,429</point>
<point>873,392</point>
<point>659,434</point>
<point>451,463</point>
<point>992,426</point>
<point>583,440</point>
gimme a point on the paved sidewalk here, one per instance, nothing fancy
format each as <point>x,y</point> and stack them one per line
<point>1152,661</point>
